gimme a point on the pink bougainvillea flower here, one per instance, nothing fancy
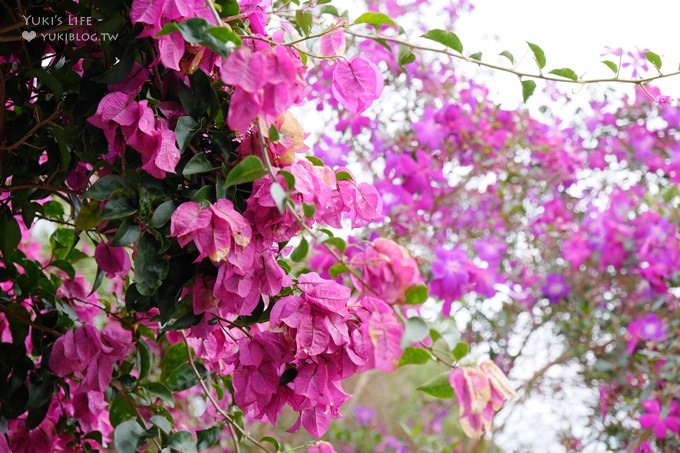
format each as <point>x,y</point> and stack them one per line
<point>75,350</point>
<point>649,327</point>
<point>214,230</point>
<point>332,44</point>
<point>555,288</point>
<point>267,82</point>
<point>114,261</point>
<point>653,419</point>
<point>357,83</point>
<point>321,447</point>
<point>480,391</point>
<point>388,269</point>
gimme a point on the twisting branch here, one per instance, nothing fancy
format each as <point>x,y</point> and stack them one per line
<point>230,421</point>
<point>520,74</point>
<point>30,133</point>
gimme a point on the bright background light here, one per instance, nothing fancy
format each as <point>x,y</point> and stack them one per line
<point>574,34</point>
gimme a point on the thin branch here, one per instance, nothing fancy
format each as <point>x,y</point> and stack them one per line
<point>33,130</point>
<point>317,35</point>
<point>217,407</point>
<point>57,189</point>
<point>29,322</point>
<point>140,418</point>
<point>520,74</point>
<point>213,10</point>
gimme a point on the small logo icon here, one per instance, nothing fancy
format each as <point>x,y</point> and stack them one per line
<point>29,35</point>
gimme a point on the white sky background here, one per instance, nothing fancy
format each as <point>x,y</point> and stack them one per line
<point>574,34</point>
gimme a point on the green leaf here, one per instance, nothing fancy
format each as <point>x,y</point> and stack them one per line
<point>65,266</point>
<point>273,134</point>
<point>88,216</point>
<point>539,55</point>
<point>308,210</point>
<point>461,350</point>
<point>118,208</point>
<point>161,391</point>
<point>566,73</point>
<point>343,175</point>
<point>181,378</point>
<point>414,356</point>
<point>611,65</point>
<point>144,358</point>
<point>53,210</point>
<point>279,196</point>
<point>416,294</point>
<point>375,19</point>
<point>63,238</point>
<point>654,59</point>
<point>151,267</point>
<point>304,20</point>
<point>315,161</point>
<point>200,31</point>
<point>272,441</point>
<point>228,7</point>
<point>184,131</point>
<point>120,411</point>
<point>330,9</point>
<point>337,269</point>
<point>126,436</point>
<point>476,56</point>
<point>300,251</point>
<point>98,279</point>
<point>162,423</point>
<point>162,214</point>
<point>225,35</point>
<point>438,387</point>
<point>46,79</point>
<point>208,437</point>
<point>204,194</point>
<point>127,233</point>
<point>196,98</point>
<point>289,178</point>
<point>405,58</point>
<point>508,55</point>
<point>197,164</point>
<point>182,441</point>
<point>10,233</point>
<point>447,38</point>
<point>338,243</point>
<point>528,87</point>
<point>248,170</point>
<point>415,330</point>
<point>108,186</point>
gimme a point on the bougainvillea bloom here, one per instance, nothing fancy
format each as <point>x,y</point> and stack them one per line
<point>653,418</point>
<point>555,288</point>
<point>215,230</point>
<point>388,269</point>
<point>649,327</point>
<point>114,261</point>
<point>357,83</point>
<point>480,392</point>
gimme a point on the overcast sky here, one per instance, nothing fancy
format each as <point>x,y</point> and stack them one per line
<point>573,34</point>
